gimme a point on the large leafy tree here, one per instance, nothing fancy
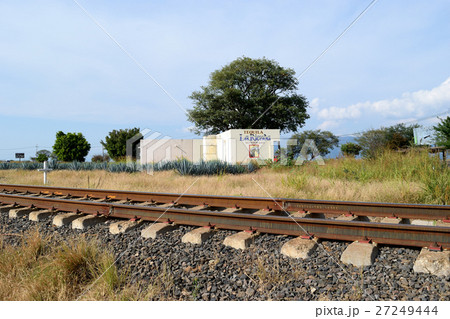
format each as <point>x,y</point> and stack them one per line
<point>443,132</point>
<point>71,147</point>
<point>116,142</point>
<point>242,91</point>
<point>323,140</point>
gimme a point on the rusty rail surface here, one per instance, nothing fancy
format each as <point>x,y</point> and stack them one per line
<point>383,233</point>
<point>410,211</point>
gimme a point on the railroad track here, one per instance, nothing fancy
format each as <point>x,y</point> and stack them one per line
<point>383,223</point>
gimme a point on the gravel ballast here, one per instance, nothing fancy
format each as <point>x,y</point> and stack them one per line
<point>213,271</point>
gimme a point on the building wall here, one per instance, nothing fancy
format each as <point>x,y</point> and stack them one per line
<point>232,146</point>
<point>157,150</point>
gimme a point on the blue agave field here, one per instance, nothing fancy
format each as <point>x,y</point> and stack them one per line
<point>183,167</point>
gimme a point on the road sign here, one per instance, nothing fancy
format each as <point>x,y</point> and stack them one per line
<point>20,155</point>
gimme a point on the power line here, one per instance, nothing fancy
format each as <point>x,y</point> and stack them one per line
<point>16,148</point>
<point>407,122</point>
<point>321,54</point>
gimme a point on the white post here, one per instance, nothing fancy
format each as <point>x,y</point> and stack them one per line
<point>45,170</point>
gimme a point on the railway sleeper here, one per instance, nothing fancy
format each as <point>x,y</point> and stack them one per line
<point>20,212</point>
<point>87,221</point>
<point>157,229</point>
<point>241,240</point>
<point>40,215</point>
<point>123,226</point>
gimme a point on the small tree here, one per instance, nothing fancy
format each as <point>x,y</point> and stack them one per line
<point>43,155</point>
<point>443,132</point>
<point>41,158</point>
<point>372,142</point>
<point>351,149</point>
<point>248,91</point>
<point>71,147</point>
<point>116,143</point>
<point>324,140</point>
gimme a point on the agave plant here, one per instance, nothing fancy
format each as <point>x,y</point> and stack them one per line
<point>182,166</point>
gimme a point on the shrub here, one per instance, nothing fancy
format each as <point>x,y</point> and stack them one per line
<point>100,158</point>
<point>351,149</point>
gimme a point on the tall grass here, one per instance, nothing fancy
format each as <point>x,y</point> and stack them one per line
<point>403,178</point>
<point>43,268</point>
<point>39,270</point>
<point>410,167</point>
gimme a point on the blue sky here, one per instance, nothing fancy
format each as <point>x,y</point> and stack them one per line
<point>59,71</point>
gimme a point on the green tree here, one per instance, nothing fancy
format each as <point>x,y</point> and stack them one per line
<point>400,136</point>
<point>116,143</point>
<point>41,158</point>
<point>443,132</point>
<point>393,137</point>
<point>324,141</point>
<point>242,91</point>
<point>372,142</point>
<point>43,155</point>
<point>351,149</point>
<point>71,147</point>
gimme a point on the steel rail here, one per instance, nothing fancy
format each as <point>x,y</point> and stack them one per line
<point>410,211</point>
<point>393,234</point>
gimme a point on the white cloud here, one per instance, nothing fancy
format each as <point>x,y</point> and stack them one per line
<point>327,125</point>
<point>314,105</point>
<point>340,113</point>
<point>415,104</point>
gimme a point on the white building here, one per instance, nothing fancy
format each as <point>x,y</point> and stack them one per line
<point>240,146</point>
<point>232,146</point>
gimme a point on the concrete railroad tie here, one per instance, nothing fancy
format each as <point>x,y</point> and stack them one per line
<point>198,236</point>
<point>123,226</point>
<point>433,262</point>
<point>155,230</point>
<point>360,254</point>
<point>299,248</point>
<point>240,240</point>
<point>87,221</point>
<point>65,219</point>
<point>20,212</point>
<point>39,215</point>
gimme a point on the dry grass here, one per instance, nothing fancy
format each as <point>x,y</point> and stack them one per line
<point>43,268</point>
<point>405,178</point>
<point>287,183</point>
